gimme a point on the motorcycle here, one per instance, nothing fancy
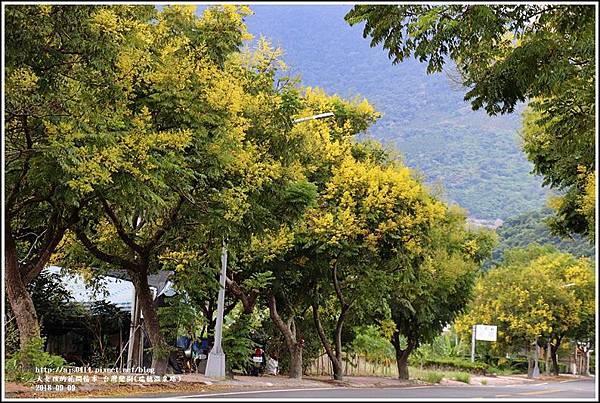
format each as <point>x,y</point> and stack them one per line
<point>258,362</point>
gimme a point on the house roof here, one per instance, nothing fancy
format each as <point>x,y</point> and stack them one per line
<point>115,288</point>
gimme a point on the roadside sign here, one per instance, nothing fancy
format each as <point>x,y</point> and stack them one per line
<point>485,332</point>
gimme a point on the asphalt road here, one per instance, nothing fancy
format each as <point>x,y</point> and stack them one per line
<point>577,389</point>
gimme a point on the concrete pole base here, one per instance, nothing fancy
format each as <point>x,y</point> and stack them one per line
<point>215,366</point>
<point>536,371</point>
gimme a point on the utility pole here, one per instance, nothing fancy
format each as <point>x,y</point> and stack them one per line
<point>134,332</point>
<point>536,368</point>
<point>215,366</point>
<point>473,343</point>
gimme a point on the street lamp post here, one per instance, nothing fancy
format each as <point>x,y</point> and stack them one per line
<point>536,358</point>
<point>215,366</point>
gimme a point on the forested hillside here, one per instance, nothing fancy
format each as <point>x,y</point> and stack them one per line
<point>476,158</point>
<point>526,228</point>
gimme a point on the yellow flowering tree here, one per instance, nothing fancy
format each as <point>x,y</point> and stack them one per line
<point>66,122</point>
<point>533,297</point>
<point>368,215</point>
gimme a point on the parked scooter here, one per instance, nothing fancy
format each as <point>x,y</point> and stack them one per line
<point>257,367</point>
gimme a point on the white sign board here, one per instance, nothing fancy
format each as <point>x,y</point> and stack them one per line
<point>485,332</point>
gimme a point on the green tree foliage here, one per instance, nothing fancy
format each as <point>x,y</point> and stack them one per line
<point>432,289</point>
<point>173,127</point>
<point>60,86</point>
<point>155,114</point>
<point>373,345</point>
<point>559,137</point>
<point>508,54</point>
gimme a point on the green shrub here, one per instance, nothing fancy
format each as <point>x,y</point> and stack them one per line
<point>238,345</point>
<point>20,367</point>
<point>451,363</point>
<point>508,366</point>
<point>11,338</point>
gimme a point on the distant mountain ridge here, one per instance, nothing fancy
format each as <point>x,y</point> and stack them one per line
<point>476,158</point>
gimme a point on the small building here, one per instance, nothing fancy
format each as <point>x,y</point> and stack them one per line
<point>101,324</point>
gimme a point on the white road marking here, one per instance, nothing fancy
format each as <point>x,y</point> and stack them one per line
<point>539,392</point>
<point>569,380</point>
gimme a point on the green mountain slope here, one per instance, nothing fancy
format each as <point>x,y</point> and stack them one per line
<point>520,231</point>
<point>475,157</point>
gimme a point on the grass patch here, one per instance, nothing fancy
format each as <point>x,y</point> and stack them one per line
<point>426,375</point>
<point>464,377</point>
<point>433,377</point>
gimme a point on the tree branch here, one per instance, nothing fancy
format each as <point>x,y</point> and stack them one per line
<point>119,227</point>
<point>10,201</point>
<point>336,284</point>
<point>55,236</point>
<point>338,329</point>
<point>31,200</point>
<point>105,257</point>
<point>43,258</point>
<point>236,290</point>
<point>229,308</point>
<point>166,225</point>
<point>289,339</point>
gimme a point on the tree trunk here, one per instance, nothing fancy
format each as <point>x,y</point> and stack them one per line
<point>289,333</point>
<point>554,356</point>
<point>530,362</point>
<point>160,355</point>
<point>401,357</point>
<point>338,370</point>
<point>295,361</point>
<point>586,362</point>
<point>402,362</point>
<point>335,358</point>
<point>18,296</point>
<point>336,361</point>
<point>547,349</point>
<point>582,360</point>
